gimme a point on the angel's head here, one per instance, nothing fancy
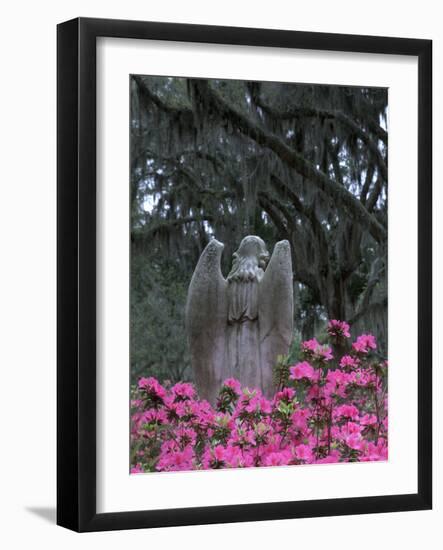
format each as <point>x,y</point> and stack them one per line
<point>250,260</point>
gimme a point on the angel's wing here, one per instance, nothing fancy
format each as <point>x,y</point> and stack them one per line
<point>206,315</point>
<point>276,309</point>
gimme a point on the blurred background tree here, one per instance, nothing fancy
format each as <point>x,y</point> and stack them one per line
<point>226,158</point>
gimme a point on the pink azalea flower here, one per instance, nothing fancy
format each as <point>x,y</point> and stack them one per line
<point>331,458</point>
<point>346,411</point>
<point>374,452</point>
<point>214,457</point>
<point>364,343</point>
<point>183,390</point>
<point>314,393</point>
<point>303,452</point>
<point>347,361</point>
<point>368,420</point>
<point>324,353</point>
<point>233,385</point>
<point>301,370</point>
<point>310,345</point>
<point>277,458</point>
<point>354,441</point>
<point>351,428</point>
<point>286,394</point>
<point>313,349</point>
<point>242,437</point>
<point>185,435</point>
<point>152,387</point>
<point>258,404</point>
<point>300,419</point>
<point>236,458</point>
<point>173,460</point>
<point>338,328</point>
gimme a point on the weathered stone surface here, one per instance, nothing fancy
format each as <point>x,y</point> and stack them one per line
<point>239,325</point>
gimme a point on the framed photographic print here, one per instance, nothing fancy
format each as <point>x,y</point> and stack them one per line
<point>244,280</point>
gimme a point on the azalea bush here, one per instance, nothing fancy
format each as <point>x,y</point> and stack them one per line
<point>330,407</point>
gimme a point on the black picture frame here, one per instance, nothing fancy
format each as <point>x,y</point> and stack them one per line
<point>76,266</point>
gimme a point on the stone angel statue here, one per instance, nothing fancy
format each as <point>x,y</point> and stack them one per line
<point>237,326</point>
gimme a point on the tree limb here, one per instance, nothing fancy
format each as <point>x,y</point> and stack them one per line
<point>296,161</point>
